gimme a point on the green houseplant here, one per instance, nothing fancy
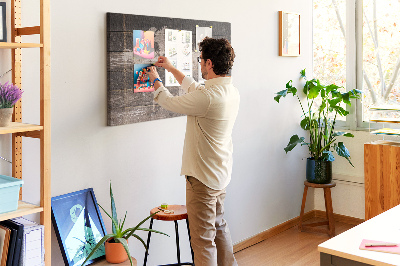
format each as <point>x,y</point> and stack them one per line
<point>324,105</point>
<point>119,236</point>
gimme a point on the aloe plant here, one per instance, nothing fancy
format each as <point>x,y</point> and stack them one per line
<point>119,234</point>
<point>320,124</point>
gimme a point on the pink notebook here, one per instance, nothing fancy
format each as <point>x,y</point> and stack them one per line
<point>393,249</point>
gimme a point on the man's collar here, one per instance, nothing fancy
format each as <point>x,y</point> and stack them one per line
<point>219,81</point>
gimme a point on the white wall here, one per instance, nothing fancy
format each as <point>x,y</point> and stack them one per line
<point>143,160</point>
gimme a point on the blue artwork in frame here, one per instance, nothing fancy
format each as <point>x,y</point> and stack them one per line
<point>78,226</point>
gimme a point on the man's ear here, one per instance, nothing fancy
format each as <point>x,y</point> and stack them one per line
<point>209,63</point>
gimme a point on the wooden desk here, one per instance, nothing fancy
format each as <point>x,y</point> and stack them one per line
<point>344,248</point>
<point>105,263</point>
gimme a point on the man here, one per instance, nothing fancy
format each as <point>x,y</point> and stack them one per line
<point>207,155</point>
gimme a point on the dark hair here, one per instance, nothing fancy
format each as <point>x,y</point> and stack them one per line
<point>220,52</point>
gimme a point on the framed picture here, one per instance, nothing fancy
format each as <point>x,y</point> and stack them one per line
<point>289,34</point>
<point>3,25</point>
<point>78,226</point>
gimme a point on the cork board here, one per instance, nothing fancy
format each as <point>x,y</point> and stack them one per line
<point>123,105</point>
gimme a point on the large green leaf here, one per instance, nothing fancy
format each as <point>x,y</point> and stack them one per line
<point>346,98</point>
<point>280,94</point>
<point>113,211</point>
<point>305,123</point>
<point>355,93</point>
<point>331,88</point>
<point>313,92</point>
<point>294,140</point>
<point>343,151</point>
<point>327,156</point>
<point>341,111</point>
<point>334,102</point>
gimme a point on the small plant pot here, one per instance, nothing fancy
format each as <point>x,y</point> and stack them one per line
<point>318,172</point>
<point>115,252</point>
<point>6,116</point>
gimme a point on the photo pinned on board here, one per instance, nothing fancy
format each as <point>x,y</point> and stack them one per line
<point>141,79</point>
<point>143,42</point>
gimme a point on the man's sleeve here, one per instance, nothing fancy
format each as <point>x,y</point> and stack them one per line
<point>195,103</point>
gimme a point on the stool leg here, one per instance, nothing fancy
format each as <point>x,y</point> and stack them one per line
<point>148,242</point>
<point>178,252</point>
<point>190,240</point>
<point>303,204</point>
<point>329,211</point>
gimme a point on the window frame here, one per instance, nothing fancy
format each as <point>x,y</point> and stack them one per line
<point>354,70</point>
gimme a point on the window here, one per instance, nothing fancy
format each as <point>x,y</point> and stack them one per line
<point>364,54</point>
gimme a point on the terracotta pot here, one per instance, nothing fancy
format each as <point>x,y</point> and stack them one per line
<point>5,116</point>
<point>115,252</point>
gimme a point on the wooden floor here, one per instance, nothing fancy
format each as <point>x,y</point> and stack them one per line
<point>290,247</point>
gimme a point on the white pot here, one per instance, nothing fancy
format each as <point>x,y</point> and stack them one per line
<point>5,116</point>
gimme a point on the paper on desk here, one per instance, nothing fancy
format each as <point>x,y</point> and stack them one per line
<point>391,249</point>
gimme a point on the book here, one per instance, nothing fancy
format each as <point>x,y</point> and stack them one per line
<point>4,243</point>
<point>32,250</point>
<point>11,246</point>
<point>18,241</point>
<point>386,249</point>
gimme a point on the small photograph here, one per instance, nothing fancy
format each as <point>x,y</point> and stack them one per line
<point>186,49</point>
<point>172,80</point>
<point>186,65</point>
<point>169,33</point>
<point>186,36</point>
<point>143,44</point>
<point>141,80</point>
<point>172,51</point>
<point>172,35</point>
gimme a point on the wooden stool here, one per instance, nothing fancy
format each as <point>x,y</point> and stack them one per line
<point>328,207</point>
<point>180,213</point>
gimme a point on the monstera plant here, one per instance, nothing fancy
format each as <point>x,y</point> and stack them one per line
<point>324,103</point>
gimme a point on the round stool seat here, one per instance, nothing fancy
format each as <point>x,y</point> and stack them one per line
<point>180,213</point>
<point>308,184</point>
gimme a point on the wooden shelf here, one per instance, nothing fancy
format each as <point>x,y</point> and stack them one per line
<point>385,120</point>
<point>24,208</point>
<point>10,45</point>
<point>16,127</point>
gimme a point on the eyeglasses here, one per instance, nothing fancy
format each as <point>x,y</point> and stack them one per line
<point>199,59</point>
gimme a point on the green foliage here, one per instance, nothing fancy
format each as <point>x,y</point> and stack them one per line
<point>119,234</point>
<point>321,123</point>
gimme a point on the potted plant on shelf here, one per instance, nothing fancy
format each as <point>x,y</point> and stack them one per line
<point>116,243</point>
<point>324,105</point>
<point>9,95</point>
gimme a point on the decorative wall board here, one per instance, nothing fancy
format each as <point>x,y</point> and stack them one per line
<point>123,105</point>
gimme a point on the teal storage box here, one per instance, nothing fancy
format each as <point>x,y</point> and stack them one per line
<point>9,193</point>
